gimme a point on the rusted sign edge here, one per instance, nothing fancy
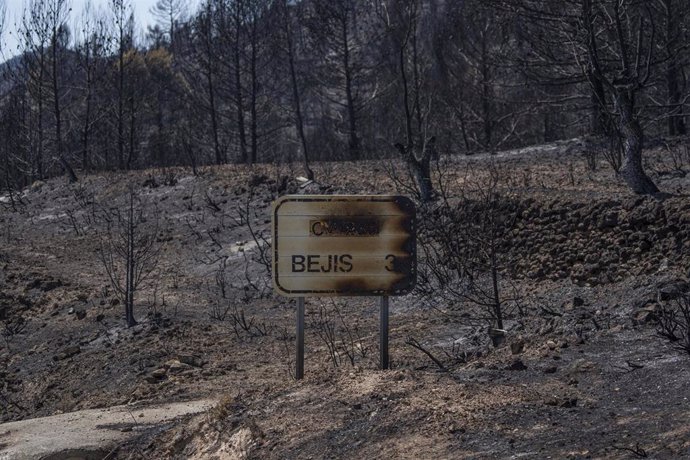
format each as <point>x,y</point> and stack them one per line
<point>405,204</point>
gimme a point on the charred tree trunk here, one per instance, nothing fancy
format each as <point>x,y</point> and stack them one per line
<point>420,168</point>
<point>633,139</point>
<point>87,125</point>
<point>129,282</point>
<point>210,86</point>
<point>676,117</point>
<point>255,89</point>
<point>39,156</point>
<point>208,62</point>
<point>239,100</point>
<point>121,104</point>
<point>497,307</point>
<point>676,120</point>
<point>623,90</point>
<point>600,124</point>
<point>57,110</point>
<point>353,138</point>
<point>422,171</point>
<point>132,155</point>
<point>214,119</point>
<point>297,106</point>
<point>71,175</point>
<point>487,123</point>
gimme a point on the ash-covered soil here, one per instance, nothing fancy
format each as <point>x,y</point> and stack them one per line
<point>583,372</point>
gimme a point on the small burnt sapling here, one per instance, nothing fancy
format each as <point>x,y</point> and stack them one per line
<point>342,337</point>
<point>462,242</point>
<point>129,249</point>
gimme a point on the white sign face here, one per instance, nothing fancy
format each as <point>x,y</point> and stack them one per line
<point>343,245</point>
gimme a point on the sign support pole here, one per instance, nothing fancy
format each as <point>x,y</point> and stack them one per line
<point>299,371</point>
<point>384,332</point>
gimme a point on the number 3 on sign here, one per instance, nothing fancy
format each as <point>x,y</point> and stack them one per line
<point>390,258</point>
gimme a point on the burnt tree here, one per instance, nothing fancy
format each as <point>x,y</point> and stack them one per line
<point>129,251</point>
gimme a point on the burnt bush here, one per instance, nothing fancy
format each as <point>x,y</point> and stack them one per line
<point>673,322</point>
<point>464,242</point>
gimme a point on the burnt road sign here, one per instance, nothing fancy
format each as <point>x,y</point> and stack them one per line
<point>344,245</point>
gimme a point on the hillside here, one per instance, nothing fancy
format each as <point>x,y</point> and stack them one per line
<point>582,373</point>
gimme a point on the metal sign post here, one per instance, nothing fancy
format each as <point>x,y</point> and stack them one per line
<point>384,332</point>
<point>344,245</point>
<point>299,371</point>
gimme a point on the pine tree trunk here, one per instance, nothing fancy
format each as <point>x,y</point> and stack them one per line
<point>57,110</point>
<point>214,118</point>
<point>297,106</point>
<point>676,120</point>
<point>87,124</point>
<point>353,141</point>
<point>599,118</point>
<point>129,288</point>
<point>255,89</point>
<point>239,100</point>
<point>120,104</point>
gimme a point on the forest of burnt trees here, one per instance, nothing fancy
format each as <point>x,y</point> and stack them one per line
<point>246,81</point>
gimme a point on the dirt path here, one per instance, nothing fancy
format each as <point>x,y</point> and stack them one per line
<point>87,434</point>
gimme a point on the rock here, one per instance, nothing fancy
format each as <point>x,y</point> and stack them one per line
<point>70,311</point>
<point>536,274</point>
<point>81,314</point>
<point>150,182</point>
<point>35,284</point>
<point>176,367</point>
<point>569,402</point>
<point>551,344</point>
<point>643,302</point>
<point>610,220</point>
<point>646,315</point>
<point>159,373</point>
<point>517,347</point>
<point>82,297</point>
<point>191,360</point>
<point>565,402</point>
<point>67,353</point>
<point>157,376</point>
<point>454,429</point>
<point>49,285</point>
<point>632,203</point>
<point>671,290</point>
<point>516,365</point>
<point>581,365</point>
<point>551,370</point>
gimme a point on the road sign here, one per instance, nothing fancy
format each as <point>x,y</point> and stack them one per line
<point>344,245</point>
